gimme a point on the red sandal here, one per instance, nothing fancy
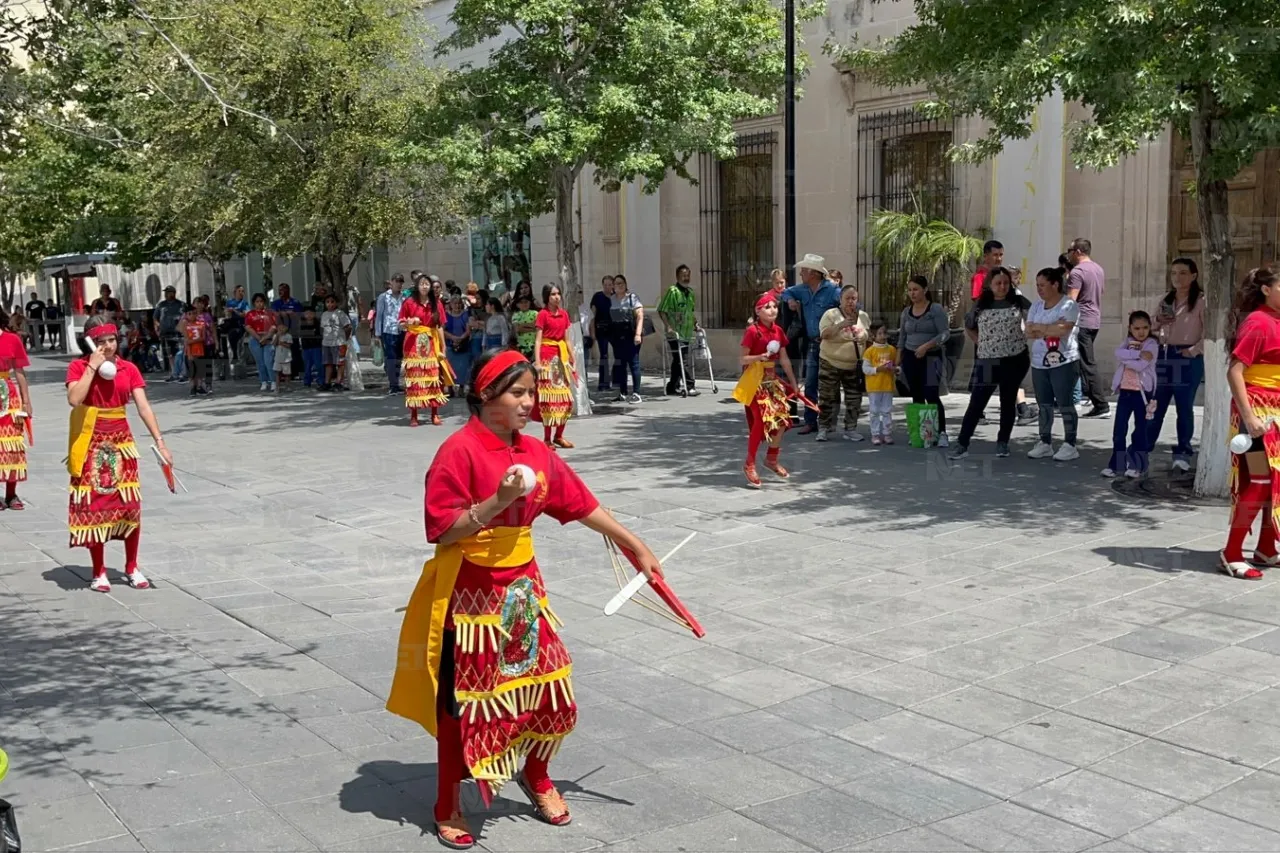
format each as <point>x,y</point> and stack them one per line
<point>454,833</point>
<point>15,503</point>
<point>753,479</point>
<point>549,807</point>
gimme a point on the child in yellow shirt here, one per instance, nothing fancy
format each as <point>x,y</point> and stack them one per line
<point>879,363</point>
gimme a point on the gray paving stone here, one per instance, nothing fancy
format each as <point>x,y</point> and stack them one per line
<point>1170,770</point>
<point>140,765</point>
<point>1046,685</point>
<point>755,731</point>
<point>831,709</point>
<point>1268,642</point>
<point>740,780</point>
<point>918,795</point>
<point>727,832</point>
<point>1164,645</point>
<point>302,778</point>
<point>1070,738</point>
<point>1194,828</point>
<point>174,801</point>
<point>673,749</point>
<point>827,819</point>
<point>1127,706</point>
<point>765,686</point>
<point>918,840</point>
<point>257,830</point>
<point>1252,799</point>
<point>1096,802</point>
<point>241,743</point>
<point>830,761</point>
<point>117,844</point>
<point>1113,665</point>
<point>1249,664</point>
<point>623,810</point>
<point>78,820</point>
<point>1252,742</point>
<point>903,684</point>
<point>1216,627</point>
<point>43,778</point>
<point>908,736</point>
<point>354,812</point>
<point>996,767</point>
<point>1008,826</point>
<point>980,710</point>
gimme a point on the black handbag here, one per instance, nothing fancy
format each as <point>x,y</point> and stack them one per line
<point>10,841</point>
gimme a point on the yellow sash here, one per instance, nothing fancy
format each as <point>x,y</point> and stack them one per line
<point>417,680</point>
<point>83,421</point>
<point>1262,375</point>
<point>752,379</point>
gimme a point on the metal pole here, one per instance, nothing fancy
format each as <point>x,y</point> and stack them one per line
<point>790,143</point>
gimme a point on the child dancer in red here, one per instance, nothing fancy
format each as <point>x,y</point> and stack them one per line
<point>481,665</point>
<point>555,368</point>
<point>1254,379</point>
<point>764,346</point>
<point>426,367</point>
<point>102,459</point>
<point>15,402</point>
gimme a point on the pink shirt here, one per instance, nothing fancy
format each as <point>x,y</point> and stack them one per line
<point>1186,329</point>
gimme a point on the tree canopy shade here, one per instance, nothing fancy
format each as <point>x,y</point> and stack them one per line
<point>632,87</point>
<point>275,124</point>
<point>1208,68</point>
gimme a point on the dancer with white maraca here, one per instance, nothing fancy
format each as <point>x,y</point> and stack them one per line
<point>760,391</point>
<point>1254,379</point>
<point>102,458</point>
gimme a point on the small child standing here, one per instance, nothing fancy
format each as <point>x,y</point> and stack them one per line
<point>879,363</point>
<point>309,338</point>
<point>335,330</point>
<point>1135,380</point>
<point>283,366</point>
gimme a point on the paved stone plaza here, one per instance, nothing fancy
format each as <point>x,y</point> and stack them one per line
<point>901,654</point>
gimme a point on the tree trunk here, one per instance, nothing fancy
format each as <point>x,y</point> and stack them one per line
<point>333,272</point>
<point>1218,278</point>
<point>219,266</point>
<point>570,289</point>
<point>8,284</point>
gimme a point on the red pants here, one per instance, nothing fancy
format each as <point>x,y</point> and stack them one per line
<point>1253,494</point>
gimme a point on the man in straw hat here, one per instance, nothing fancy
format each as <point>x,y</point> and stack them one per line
<point>817,295</point>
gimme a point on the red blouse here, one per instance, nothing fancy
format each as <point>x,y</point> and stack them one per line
<point>554,327</point>
<point>13,355</point>
<point>105,394</point>
<point>422,315</point>
<point>756,339</point>
<point>260,322</point>
<point>1258,338</point>
<point>472,462</point>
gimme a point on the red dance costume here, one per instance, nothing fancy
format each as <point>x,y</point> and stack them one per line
<point>13,447</point>
<point>426,368</point>
<point>555,392</point>
<point>765,398</point>
<point>481,665</point>
<point>1258,349</point>
<point>102,461</point>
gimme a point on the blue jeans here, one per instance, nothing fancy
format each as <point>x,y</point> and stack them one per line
<point>1130,404</point>
<point>312,365</point>
<point>1178,378</point>
<point>626,359</point>
<point>811,380</point>
<point>1053,387</point>
<point>393,353</point>
<point>602,341</point>
<point>264,357</point>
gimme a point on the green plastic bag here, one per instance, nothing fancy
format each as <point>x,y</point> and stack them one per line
<point>379,357</point>
<point>922,424</point>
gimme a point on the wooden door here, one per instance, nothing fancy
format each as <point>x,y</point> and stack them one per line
<point>1255,209</point>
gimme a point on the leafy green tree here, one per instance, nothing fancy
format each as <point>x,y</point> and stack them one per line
<point>1209,68</point>
<point>632,87</point>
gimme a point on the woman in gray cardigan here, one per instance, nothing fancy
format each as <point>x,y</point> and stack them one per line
<point>922,330</point>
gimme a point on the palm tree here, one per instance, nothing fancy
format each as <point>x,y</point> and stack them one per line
<point>913,241</point>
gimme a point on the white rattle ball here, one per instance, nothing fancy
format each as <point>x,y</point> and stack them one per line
<point>1241,444</point>
<point>107,370</point>
<point>773,347</point>
<point>527,476</point>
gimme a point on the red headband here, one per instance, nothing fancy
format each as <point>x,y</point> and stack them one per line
<point>497,366</point>
<point>105,330</point>
<point>765,299</point>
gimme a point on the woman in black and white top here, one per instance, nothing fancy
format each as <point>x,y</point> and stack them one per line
<point>626,316</point>
<point>995,325</point>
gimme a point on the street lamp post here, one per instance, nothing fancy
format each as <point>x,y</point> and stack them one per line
<point>789,132</point>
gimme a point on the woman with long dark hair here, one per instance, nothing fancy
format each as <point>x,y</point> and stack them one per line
<point>1254,379</point>
<point>481,664</point>
<point>102,459</point>
<point>426,364</point>
<point>922,330</point>
<point>1002,359</point>
<point>1179,326</point>
<point>555,367</point>
<point>15,404</point>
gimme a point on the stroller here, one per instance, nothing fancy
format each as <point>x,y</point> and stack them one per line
<point>699,346</point>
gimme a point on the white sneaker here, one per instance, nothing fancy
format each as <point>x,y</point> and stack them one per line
<point>265,386</point>
<point>1041,451</point>
<point>1181,465</point>
<point>1132,474</point>
<point>852,435</point>
<point>100,584</point>
<point>273,387</point>
<point>1108,473</point>
<point>943,441</point>
<point>823,435</point>
<point>1066,453</point>
<point>635,398</point>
